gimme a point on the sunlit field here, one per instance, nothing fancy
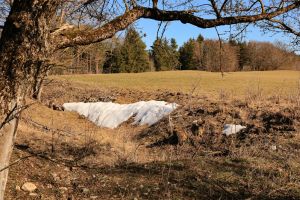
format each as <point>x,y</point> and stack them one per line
<point>199,82</point>
<point>185,155</point>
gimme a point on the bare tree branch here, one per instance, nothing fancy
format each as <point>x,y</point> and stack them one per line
<point>262,6</point>
<point>15,162</point>
<point>186,16</point>
<point>214,6</point>
<point>285,27</point>
<point>223,5</point>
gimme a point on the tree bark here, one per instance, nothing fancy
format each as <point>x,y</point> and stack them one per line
<point>37,84</point>
<point>23,48</point>
<point>37,88</point>
<point>41,72</point>
<point>7,136</point>
<point>185,16</point>
<point>96,65</point>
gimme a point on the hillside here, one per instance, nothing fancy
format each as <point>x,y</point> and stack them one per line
<point>184,156</point>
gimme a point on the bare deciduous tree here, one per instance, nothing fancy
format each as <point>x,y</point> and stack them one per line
<point>29,38</point>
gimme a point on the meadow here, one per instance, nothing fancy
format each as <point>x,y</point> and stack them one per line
<point>213,83</point>
<point>183,156</point>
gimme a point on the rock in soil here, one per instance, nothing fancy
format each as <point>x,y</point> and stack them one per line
<point>29,187</point>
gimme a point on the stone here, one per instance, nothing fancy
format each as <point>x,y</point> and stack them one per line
<point>33,194</point>
<point>29,187</point>
<point>55,177</point>
<point>18,188</point>
<point>85,190</point>
<point>63,188</point>
<point>274,147</point>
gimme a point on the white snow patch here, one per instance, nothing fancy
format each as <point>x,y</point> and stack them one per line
<point>111,115</point>
<point>230,129</point>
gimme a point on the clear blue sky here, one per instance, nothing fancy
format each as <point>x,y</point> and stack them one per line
<point>182,32</point>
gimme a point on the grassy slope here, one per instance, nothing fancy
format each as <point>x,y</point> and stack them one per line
<point>235,83</point>
<point>114,165</point>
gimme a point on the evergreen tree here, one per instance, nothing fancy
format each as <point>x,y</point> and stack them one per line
<point>174,45</point>
<point>114,60</point>
<point>129,57</point>
<point>165,55</point>
<point>134,54</point>
<point>244,55</point>
<point>191,54</point>
<point>186,55</point>
<point>200,38</point>
<point>175,53</point>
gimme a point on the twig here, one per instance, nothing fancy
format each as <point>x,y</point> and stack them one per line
<point>15,162</point>
<point>67,163</point>
<point>221,49</point>
<point>46,128</point>
<point>14,113</point>
<point>215,184</point>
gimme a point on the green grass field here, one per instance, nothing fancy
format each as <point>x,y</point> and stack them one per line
<point>233,83</point>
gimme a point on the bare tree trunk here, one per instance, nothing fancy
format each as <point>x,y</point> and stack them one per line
<point>77,63</point>
<point>41,72</point>
<point>37,88</point>
<point>37,83</point>
<point>23,49</point>
<point>97,65</point>
<point>89,63</point>
<point>7,136</point>
<point>62,16</point>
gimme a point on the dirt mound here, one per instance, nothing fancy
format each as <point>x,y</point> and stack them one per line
<point>202,123</point>
<point>199,121</point>
<point>184,156</point>
<point>59,92</point>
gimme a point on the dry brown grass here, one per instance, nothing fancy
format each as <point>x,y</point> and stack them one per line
<point>207,83</point>
<point>113,164</point>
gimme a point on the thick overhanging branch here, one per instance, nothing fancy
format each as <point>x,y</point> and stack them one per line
<point>123,21</point>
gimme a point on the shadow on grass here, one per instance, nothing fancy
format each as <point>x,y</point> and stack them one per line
<point>200,178</point>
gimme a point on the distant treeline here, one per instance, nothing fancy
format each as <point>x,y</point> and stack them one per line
<point>129,54</point>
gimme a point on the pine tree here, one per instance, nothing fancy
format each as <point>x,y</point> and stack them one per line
<point>200,38</point>
<point>175,53</point>
<point>165,55</point>
<point>157,54</point>
<point>129,57</point>
<point>174,45</point>
<point>244,55</point>
<point>114,60</point>
<point>186,55</point>
<point>134,55</point>
<point>191,54</point>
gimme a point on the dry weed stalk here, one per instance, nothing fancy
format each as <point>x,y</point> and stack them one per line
<point>254,95</point>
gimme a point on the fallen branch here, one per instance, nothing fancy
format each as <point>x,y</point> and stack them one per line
<point>64,162</point>
<point>15,162</point>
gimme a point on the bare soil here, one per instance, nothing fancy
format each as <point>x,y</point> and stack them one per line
<point>184,156</point>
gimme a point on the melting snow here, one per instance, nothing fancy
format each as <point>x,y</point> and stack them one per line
<point>230,129</point>
<point>111,115</point>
